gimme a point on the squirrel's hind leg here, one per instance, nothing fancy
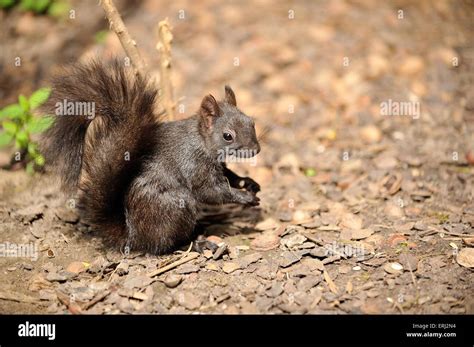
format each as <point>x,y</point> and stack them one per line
<point>160,221</point>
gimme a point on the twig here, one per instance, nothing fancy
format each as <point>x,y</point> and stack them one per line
<point>159,271</point>
<point>94,301</point>
<point>165,37</point>
<point>129,45</point>
<point>332,286</point>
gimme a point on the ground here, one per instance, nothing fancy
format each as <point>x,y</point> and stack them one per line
<point>362,210</point>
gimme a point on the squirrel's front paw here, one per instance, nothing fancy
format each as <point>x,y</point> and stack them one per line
<point>250,199</point>
<point>249,185</point>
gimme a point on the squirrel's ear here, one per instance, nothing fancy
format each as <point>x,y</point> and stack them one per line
<point>230,96</point>
<point>209,109</point>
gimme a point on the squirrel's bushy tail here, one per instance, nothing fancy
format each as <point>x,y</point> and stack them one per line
<point>104,123</point>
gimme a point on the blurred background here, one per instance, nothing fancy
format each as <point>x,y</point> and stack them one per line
<point>316,76</point>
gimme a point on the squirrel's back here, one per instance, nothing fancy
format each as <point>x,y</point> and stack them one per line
<point>103,131</point>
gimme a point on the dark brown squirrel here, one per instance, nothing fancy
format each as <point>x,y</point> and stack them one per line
<point>139,180</point>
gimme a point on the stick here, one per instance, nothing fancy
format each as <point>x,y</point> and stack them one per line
<point>159,271</point>
<point>163,46</point>
<point>94,301</point>
<point>129,45</point>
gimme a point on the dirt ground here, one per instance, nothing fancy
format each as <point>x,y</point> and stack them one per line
<point>361,211</point>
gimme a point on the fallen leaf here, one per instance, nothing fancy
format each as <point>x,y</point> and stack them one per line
<point>466,257</point>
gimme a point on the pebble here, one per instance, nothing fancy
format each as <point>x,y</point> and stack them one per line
<point>319,252</point>
<point>287,258</point>
<point>219,251</point>
<point>230,267</point>
<point>393,268</point>
<point>187,268</point>
<point>249,259</point>
<point>172,280</point>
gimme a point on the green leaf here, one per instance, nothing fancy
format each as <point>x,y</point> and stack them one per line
<point>10,127</point>
<point>32,149</point>
<point>58,9</point>
<point>30,168</point>
<point>39,160</point>
<point>25,105</point>
<point>5,139</point>
<point>39,124</point>
<point>39,97</point>
<point>26,5</point>
<point>39,6</point>
<point>22,139</point>
<point>11,112</point>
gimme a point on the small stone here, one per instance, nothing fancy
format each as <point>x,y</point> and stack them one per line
<point>275,290</point>
<point>307,245</point>
<point>230,267</point>
<point>301,216</point>
<point>172,280</point>
<point>220,251</point>
<point>249,259</point>
<point>308,282</point>
<point>408,261</point>
<point>187,269</point>
<point>77,267</point>
<point>287,258</point>
<point>357,268</point>
<point>313,264</point>
<point>265,241</point>
<point>61,276</point>
<point>285,216</point>
<point>371,134</point>
<point>331,259</point>
<point>188,300</point>
<point>137,281</point>
<point>361,234</point>
<point>393,268</point>
<point>212,267</point>
<point>344,269</point>
<point>207,254</point>
<point>319,252</point>
<point>293,240</point>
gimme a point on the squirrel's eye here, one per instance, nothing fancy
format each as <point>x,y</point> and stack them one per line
<point>228,137</point>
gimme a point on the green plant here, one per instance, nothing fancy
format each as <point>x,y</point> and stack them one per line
<point>37,6</point>
<point>19,124</point>
<point>6,3</point>
<point>53,8</point>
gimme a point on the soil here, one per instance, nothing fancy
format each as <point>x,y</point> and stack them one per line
<point>361,212</point>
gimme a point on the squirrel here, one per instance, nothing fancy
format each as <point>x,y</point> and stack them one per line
<point>140,181</point>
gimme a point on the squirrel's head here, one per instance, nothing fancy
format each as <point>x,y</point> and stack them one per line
<point>227,130</point>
